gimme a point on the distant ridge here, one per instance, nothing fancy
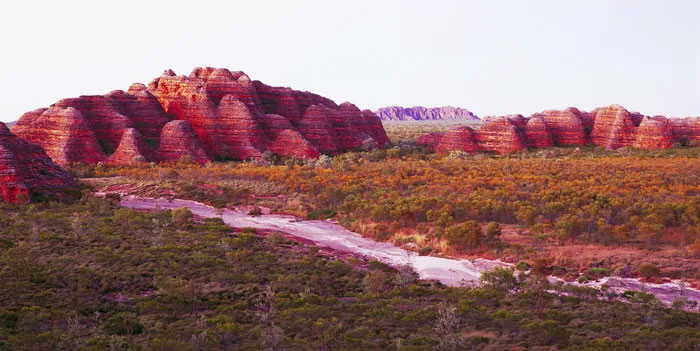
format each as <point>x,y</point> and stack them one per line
<point>10,124</point>
<point>420,113</point>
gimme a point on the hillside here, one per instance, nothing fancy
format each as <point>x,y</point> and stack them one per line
<point>420,113</point>
<point>212,114</point>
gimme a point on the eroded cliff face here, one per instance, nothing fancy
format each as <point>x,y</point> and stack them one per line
<point>225,115</point>
<point>420,113</point>
<point>26,171</point>
<point>611,127</point>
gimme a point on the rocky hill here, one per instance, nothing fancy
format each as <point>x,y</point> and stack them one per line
<point>420,113</point>
<point>611,127</point>
<point>26,171</point>
<point>211,114</point>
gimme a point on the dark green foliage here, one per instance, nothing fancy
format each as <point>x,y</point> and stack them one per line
<point>167,281</point>
<point>123,323</point>
<point>464,236</point>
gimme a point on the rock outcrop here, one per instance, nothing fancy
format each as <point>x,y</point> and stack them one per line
<point>458,139</point>
<point>566,126</point>
<point>430,139</point>
<point>501,135</point>
<point>178,141</point>
<point>653,133</point>
<point>231,116</point>
<point>26,171</point>
<point>420,113</point>
<point>686,131</point>
<point>132,149</point>
<point>611,127</point>
<point>537,134</point>
<point>64,133</point>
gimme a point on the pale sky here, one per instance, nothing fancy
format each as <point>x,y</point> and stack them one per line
<point>492,57</point>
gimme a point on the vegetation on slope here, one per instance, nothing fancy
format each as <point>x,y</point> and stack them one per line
<point>615,210</point>
<point>93,276</point>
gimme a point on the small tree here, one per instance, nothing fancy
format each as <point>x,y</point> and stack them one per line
<point>375,282</point>
<point>648,271</point>
<point>501,280</point>
<point>464,236</point>
<point>271,335</point>
<point>407,274</point>
<point>447,328</point>
<point>493,232</point>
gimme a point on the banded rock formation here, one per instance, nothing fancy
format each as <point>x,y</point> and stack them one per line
<point>230,116</point>
<point>420,113</point>
<point>611,127</point>
<point>26,171</point>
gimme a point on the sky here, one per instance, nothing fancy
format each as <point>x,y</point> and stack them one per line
<point>492,57</point>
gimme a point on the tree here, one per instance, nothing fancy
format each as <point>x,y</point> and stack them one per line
<point>648,271</point>
<point>271,335</point>
<point>464,236</point>
<point>375,282</point>
<point>447,328</point>
<point>501,280</point>
<point>493,232</point>
<point>407,274</point>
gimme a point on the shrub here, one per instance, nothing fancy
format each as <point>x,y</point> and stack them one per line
<point>493,231</point>
<point>501,280</point>
<point>648,271</point>
<point>375,282</point>
<point>464,236</point>
<point>123,323</point>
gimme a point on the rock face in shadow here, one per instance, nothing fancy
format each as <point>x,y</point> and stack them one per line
<point>420,113</point>
<point>230,115</point>
<point>611,127</point>
<point>27,171</point>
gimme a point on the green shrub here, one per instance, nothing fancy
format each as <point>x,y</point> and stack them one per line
<point>648,271</point>
<point>123,323</point>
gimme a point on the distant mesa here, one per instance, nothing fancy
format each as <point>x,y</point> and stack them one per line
<point>211,114</point>
<point>27,172</point>
<point>420,113</point>
<point>611,127</point>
